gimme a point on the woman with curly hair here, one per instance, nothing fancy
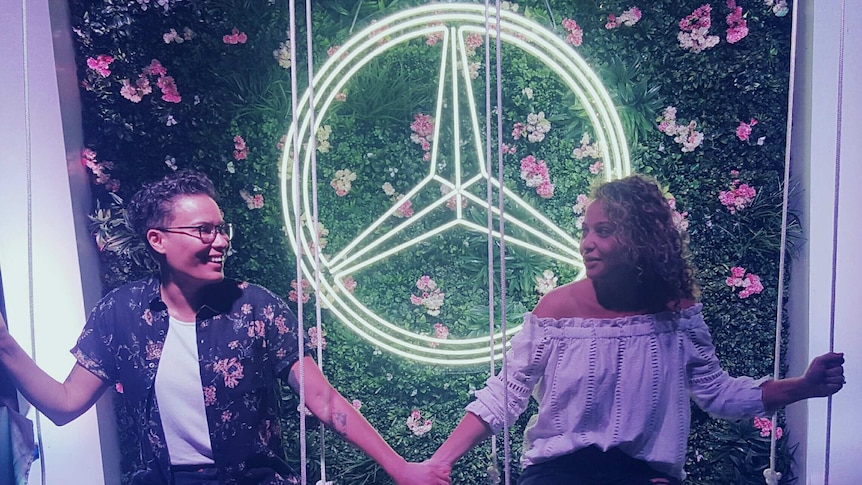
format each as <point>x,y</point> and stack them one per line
<point>614,358</point>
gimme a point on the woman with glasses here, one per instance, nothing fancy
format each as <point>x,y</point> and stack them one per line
<point>197,358</point>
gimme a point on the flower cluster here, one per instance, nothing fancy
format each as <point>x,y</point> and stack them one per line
<point>323,134</point>
<point>546,282</point>
<point>694,30</point>
<point>100,64</point>
<point>440,331</point>
<point>314,339</point>
<point>535,173</point>
<point>100,170</point>
<point>452,202</point>
<point>294,294</point>
<point>405,207</point>
<point>737,27</point>
<point>743,131</point>
<point>627,18</point>
<point>587,149</point>
<point>580,209</point>
<point>349,284</point>
<point>423,133</point>
<point>235,37</point>
<point>282,54</point>
<point>765,427</point>
<point>575,34</point>
<point>416,424</point>
<point>536,127</point>
<point>322,232</point>
<point>174,36</point>
<point>240,150</point>
<point>434,37</point>
<point>142,85</point>
<point>432,297</point>
<point>251,201</point>
<point>473,42</point>
<point>750,283</point>
<point>739,196</point>
<point>342,182</point>
<point>779,7</point>
<point>679,218</point>
<point>685,135</point>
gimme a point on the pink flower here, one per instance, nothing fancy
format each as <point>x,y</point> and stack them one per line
<point>738,197</point>
<point>155,69</point>
<point>575,32</point>
<point>332,50</point>
<point>314,339</point>
<point>357,404</point>
<point>423,125</point>
<point>235,37</point>
<point>765,427</point>
<point>737,27</point>
<point>100,64</point>
<point>597,167</point>
<point>405,207</point>
<point>750,283</point>
<point>169,89</point>
<point>349,284</point>
<point>240,150</point>
<point>743,131</point>
<point>294,294</point>
<point>627,18</point>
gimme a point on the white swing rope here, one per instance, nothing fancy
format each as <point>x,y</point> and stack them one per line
<point>300,337</point>
<point>839,118</point>
<point>490,216</point>
<point>502,229</point>
<point>312,148</point>
<point>771,475</point>
<point>28,160</point>
<point>297,216</point>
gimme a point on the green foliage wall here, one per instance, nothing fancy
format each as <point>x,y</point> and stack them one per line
<point>218,99</point>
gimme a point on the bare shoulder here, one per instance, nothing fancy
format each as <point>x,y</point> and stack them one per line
<point>565,301</point>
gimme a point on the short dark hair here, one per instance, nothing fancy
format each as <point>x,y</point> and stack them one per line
<point>151,206</point>
<point>651,242</point>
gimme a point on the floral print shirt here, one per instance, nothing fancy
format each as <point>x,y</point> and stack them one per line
<point>246,340</point>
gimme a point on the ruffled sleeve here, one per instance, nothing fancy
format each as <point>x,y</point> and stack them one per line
<point>712,388</point>
<point>525,365</point>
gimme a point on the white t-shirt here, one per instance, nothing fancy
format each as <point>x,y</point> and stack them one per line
<point>181,399</point>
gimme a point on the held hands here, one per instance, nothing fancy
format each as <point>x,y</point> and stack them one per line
<point>825,375</point>
<point>425,473</point>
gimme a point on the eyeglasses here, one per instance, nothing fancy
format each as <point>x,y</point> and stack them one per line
<point>206,232</point>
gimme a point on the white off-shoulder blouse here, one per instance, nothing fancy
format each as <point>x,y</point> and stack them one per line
<point>615,382</point>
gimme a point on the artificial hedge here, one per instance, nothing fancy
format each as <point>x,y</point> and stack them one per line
<point>170,84</point>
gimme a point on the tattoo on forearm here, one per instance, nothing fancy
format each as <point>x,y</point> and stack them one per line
<point>339,423</point>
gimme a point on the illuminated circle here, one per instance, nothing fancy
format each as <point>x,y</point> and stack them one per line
<point>452,23</point>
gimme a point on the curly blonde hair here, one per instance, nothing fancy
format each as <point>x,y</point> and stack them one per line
<point>651,243</point>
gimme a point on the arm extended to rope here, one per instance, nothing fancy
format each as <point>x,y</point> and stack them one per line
<point>824,377</point>
<point>60,402</point>
<point>325,402</point>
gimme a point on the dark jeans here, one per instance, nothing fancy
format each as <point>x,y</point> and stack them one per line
<point>592,466</point>
<point>194,475</point>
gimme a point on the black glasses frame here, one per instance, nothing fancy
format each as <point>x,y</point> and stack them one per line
<point>206,232</point>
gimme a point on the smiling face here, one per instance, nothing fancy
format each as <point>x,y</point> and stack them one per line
<point>600,246</point>
<point>189,261</point>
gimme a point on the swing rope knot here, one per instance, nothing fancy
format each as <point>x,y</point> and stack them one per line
<point>772,477</point>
